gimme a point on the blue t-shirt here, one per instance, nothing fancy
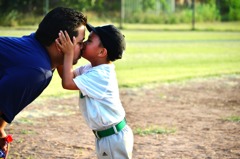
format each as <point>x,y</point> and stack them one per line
<point>25,71</point>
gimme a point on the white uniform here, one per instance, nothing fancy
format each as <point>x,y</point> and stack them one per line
<point>102,108</point>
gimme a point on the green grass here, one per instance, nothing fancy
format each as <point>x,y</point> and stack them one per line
<point>211,26</point>
<point>157,56</point>
<point>154,56</point>
<point>26,132</point>
<point>153,130</point>
<point>233,118</point>
<point>25,121</point>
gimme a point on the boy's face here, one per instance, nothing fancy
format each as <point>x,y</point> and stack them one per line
<point>79,46</point>
<point>92,47</point>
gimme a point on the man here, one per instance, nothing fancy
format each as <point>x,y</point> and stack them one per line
<point>27,63</point>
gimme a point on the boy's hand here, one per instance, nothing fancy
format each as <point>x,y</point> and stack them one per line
<point>65,44</point>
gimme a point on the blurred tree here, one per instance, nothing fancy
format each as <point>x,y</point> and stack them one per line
<point>148,4</point>
<point>21,6</point>
<point>234,11</point>
<point>81,5</point>
<point>229,9</point>
<point>107,5</point>
<point>17,10</point>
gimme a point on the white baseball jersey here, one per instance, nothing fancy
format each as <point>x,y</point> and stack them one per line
<point>99,99</point>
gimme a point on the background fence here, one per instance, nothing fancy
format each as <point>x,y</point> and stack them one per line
<point>30,12</point>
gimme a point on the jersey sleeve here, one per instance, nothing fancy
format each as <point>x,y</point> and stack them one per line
<point>92,84</point>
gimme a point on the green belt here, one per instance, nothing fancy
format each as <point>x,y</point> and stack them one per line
<point>113,130</point>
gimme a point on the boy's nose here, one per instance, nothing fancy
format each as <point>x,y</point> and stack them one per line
<point>82,45</point>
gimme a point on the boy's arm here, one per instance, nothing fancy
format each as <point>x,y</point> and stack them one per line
<point>67,48</point>
<point>60,70</point>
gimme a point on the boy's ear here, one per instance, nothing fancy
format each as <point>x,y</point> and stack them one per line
<point>103,52</point>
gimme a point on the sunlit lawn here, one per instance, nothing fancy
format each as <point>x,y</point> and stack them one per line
<point>155,56</point>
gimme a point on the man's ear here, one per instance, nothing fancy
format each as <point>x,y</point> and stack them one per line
<point>58,48</point>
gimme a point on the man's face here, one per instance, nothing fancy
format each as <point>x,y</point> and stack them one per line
<point>79,46</point>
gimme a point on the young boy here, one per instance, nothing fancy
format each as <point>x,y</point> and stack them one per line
<point>99,93</point>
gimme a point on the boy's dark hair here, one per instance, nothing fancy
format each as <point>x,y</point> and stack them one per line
<point>58,19</point>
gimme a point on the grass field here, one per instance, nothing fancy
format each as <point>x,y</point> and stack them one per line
<point>155,56</point>
<point>169,56</point>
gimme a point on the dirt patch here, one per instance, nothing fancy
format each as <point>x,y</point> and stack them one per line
<point>196,110</point>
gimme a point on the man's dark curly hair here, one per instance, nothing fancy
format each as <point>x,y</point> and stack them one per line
<point>58,19</point>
